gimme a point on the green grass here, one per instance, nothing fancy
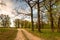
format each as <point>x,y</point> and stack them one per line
<point>7,33</point>
<point>46,34</point>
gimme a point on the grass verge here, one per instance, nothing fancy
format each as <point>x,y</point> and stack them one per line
<point>46,34</point>
<point>7,33</point>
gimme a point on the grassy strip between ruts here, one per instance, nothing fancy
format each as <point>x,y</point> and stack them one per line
<point>7,33</point>
<point>46,34</point>
<point>26,38</point>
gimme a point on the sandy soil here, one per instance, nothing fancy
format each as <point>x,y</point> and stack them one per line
<point>31,36</point>
<point>20,36</point>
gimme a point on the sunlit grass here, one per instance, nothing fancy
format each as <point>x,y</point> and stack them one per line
<point>7,33</point>
<point>46,34</point>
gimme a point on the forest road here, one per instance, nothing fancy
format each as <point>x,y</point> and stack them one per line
<point>22,34</point>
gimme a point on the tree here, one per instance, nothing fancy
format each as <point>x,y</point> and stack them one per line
<point>31,5</point>
<point>39,6</point>
<point>49,6</point>
<point>17,23</point>
<point>2,20</point>
<point>39,25</point>
<point>5,19</point>
<point>58,15</point>
<point>59,24</point>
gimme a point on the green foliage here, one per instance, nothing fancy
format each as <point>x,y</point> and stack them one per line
<point>5,20</point>
<point>17,23</point>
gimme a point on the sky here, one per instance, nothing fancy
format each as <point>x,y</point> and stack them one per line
<point>10,7</point>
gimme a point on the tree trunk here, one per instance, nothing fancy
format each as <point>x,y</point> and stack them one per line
<point>39,25</point>
<point>52,25</point>
<point>58,24</point>
<point>51,17</point>
<point>18,23</point>
<point>32,19</point>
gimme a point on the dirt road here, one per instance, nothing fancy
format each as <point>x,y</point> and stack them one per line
<point>21,36</point>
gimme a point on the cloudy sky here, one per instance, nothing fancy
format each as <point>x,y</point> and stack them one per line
<point>10,7</point>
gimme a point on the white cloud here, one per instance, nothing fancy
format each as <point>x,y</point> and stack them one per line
<point>10,5</point>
